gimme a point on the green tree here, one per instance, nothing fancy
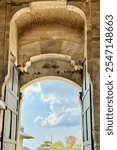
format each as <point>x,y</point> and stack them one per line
<point>57,146</point>
<point>71,141</point>
<point>79,148</point>
<point>45,144</point>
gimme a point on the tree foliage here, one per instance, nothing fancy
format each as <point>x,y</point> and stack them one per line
<point>71,141</point>
<point>57,146</point>
<point>44,145</point>
<point>79,148</point>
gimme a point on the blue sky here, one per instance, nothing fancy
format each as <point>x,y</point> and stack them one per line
<point>50,107</point>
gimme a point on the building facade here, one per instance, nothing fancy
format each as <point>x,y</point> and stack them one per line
<point>23,136</point>
<point>49,39</point>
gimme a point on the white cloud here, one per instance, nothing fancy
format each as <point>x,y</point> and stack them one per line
<point>48,97</point>
<point>63,109</point>
<point>51,121</point>
<point>61,113</point>
<point>39,118</point>
<point>73,111</point>
<point>32,88</point>
<point>55,120</point>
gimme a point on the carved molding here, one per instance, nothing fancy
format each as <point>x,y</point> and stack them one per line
<point>43,57</point>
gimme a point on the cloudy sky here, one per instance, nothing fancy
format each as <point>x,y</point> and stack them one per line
<point>50,109</point>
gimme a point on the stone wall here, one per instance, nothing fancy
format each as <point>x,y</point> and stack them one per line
<point>95,60</point>
<point>92,10</point>
<point>2,39</point>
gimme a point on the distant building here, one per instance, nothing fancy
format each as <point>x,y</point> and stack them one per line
<point>22,137</point>
<point>26,148</point>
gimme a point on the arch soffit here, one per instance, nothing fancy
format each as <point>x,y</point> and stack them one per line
<point>24,14</point>
<point>52,78</point>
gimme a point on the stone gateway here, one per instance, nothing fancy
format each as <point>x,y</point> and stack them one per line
<point>49,39</point>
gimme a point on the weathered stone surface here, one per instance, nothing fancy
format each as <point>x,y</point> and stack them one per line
<point>51,39</point>
<point>47,32</point>
<point>50,46</point>
<point>59,31</point>
<point>51,68</point>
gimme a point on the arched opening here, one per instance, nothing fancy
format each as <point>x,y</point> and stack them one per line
<point>51,112</point>
<point>58,53</point>
<point>13,96</point>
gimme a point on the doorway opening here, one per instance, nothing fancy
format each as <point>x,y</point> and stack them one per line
<point>51,113</point>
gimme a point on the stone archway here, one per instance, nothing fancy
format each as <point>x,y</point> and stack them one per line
<point>52,14</point>
<point>60,67</point>
<point>71,73</point>
<point>62,52</point>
